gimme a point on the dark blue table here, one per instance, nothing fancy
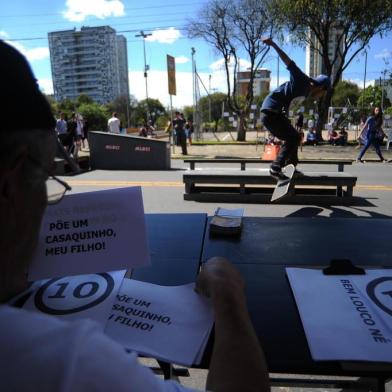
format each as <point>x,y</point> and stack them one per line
<point>266,247</point>
<point>176,242</point>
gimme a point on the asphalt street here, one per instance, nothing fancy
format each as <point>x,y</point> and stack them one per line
<point>163,191</point>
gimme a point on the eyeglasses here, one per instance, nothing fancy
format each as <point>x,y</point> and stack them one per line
<point>56,189</point>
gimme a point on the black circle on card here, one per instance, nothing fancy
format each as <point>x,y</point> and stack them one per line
<point>40,304</point>
<point>371,292</point>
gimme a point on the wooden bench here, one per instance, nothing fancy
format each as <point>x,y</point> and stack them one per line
<point>258,185</point>
<point>243,161</point>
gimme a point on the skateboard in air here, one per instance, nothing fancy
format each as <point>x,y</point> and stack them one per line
<point>284,183</point>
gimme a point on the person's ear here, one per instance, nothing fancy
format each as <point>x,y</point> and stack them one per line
<point>11,173</point>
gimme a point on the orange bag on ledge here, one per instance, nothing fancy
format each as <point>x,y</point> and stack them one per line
<point>271,152</point>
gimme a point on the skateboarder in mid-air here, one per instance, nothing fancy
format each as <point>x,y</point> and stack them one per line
<point>276,106</point>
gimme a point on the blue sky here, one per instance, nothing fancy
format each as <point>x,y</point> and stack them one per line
<point>28,22</point>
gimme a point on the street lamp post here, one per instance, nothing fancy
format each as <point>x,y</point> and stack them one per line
<point>364,79</point>
<point>383,83</point>
<point>146,67</point>
<point>209,98</point>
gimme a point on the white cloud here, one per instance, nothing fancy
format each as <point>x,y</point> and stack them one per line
<point>46,85</point>
<point>34,54</point>
<point>182,60</point>
<point>385,54</point>
<point>359,82</point>
<point>157,87</point>
<point>166,36</point>
<point>157,84</point>
<point>79,10</point>
<point>219,65</point>
<point>219,74</point>
<point>4,34</point>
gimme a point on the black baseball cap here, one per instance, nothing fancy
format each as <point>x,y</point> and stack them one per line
<point>23,105</point>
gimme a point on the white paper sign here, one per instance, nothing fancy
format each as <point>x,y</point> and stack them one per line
<point>231,118</point>
<point>226,114</point>
<point>234,123</point>
<point>253,106</point>
<point>344,110</point>
<point>92,232</point>
<point>169,323</point>
<point>77,297</point>
<point>251,116</point>
<point>346,317</point>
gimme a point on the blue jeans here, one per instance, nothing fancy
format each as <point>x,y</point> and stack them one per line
<point>371,139</point>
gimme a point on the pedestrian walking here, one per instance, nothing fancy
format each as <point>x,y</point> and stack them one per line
<point>114,125</point>
<point>72,133</point>
<point>61,129</point>
<point>361,139</point>
<point>372,129</point>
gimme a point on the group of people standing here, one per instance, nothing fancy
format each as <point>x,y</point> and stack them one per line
<point>72,133</point>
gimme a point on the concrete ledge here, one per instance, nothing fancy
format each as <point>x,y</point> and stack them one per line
<point>242,186</point>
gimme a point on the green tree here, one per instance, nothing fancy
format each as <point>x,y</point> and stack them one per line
<point>345,92</point>
<point>67,106</point>
<point>83,99</point>
<point>122,106</point>
<point>356,22</point>
<point>211,108</point>
<point>213,101</point>
<point>188,112</point>
<point>234,29</point>
<point>97,115</point>
<point>53,104</point>
<point>259,99</point>
<point>371,97</point>
<point>153,108</point>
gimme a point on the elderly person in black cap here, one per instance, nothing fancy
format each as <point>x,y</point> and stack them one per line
<point>276,106</point>
<point>42,353</point>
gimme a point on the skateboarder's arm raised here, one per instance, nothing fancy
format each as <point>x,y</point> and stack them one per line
<point>286,59</point>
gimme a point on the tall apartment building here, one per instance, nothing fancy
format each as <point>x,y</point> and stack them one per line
<point>314,61</point>
<point>386,85</point>
<point>92,61</point>
<point>261,81</point>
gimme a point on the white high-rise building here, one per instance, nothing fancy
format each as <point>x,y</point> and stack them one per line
<point>314,61</point>
<point>92,61</point>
